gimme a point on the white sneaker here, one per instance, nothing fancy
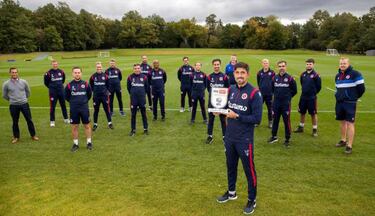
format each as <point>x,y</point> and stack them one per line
<point>182,109</point>
<point>52,124</point>
<point>190,109</point>
<point>66,121</point>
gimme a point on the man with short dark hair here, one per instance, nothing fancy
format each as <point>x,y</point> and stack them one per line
<point>198,87</point>
<point>99,85</point>
<point>137,87</point>
<point>115,76</point>
<point>245,111</point>
<point>311,85</point>
<point>183,74</point>
<point>216,79</point>
<point>158,79</point>
<point>284,88</point>
<point>17,92</point>
<point>264,80</point>
<point>229,69</point>
<point>54,80</point>
<point>78,93</point>
<point>350,86</point>
<point>146,70</point>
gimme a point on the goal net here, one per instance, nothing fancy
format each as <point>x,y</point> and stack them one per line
<point>332,52</point>
<point>103,54</point>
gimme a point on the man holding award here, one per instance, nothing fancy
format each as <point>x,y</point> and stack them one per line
<point>245,110</point>
<point>218,83</point>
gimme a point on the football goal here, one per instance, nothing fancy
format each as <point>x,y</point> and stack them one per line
<point>104,54</point>
<point>332,52</point>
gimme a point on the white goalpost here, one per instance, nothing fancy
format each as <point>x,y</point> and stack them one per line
<point>332,52</point>
<point>103,54</point>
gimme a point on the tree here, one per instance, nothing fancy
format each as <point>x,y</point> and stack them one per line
<point>49,39</point>
<point>230,36</point>
<point>17,33</point>
<point>93,31</point>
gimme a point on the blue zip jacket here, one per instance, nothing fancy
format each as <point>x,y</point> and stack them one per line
<point>184,73</point>
<point>283,88</point>
<point>264,80</point>
<point>158,79</point>
<point>137,85</point>
<point>229,69</point>
<point>311,84</point>
<point>350,85</point>
<point>99,84</point>
<point>114,76</point>
<point>78,93</point>
<point>199,83</point>
<point>54,79</point>
<point>247,102</point>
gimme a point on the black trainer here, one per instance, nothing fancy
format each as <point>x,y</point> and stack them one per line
<point>286,143</point>
<point>163,118</point>
<point>89,146</point>
<point>299,129</point>
<point>94,127</point>
<point>132,133</point>
<point>315,132</point>
<point>155,118</point>
<point>348,150</point>
<point>273,139</point>
<point>145,131</point>
<point>209,140</point>
<point>341,144</point>
<point>150,108</point>
<point>110,126</point>
<point>250,207</point>
<point>122,113</point>
<point>227,196</point>
<point>205,121</point>
<point>192,122</point>
<point>74,148</point>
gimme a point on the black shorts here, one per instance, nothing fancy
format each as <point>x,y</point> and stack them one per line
<point>81,114</point>
<point>345,111</point>
<point>309,105</point>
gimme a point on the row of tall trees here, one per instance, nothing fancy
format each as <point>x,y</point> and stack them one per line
<point>57,27</point>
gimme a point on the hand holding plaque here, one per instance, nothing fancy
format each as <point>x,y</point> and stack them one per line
<point>219,100</point>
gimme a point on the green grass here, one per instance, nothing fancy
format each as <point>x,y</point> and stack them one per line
<point>172,171</point>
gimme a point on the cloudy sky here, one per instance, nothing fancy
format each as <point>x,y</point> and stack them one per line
<point>230,11</point>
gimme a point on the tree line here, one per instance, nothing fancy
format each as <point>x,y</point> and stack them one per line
<point>57,27</point>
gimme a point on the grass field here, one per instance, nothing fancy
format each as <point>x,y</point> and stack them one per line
<point>172,171</point>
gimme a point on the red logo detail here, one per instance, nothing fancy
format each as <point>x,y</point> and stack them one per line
<point>244,96</point>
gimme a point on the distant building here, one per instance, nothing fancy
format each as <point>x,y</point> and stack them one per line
<point>370,52</point>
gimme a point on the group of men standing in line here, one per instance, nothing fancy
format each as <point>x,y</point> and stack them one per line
<point>245,101</point>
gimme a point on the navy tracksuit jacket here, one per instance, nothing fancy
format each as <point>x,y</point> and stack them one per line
<point>246,101</point>
<point>54,81</point>
<point>264,80</point>
<point>183,74</point>
<point>284,88</point>
<point>137,86</point>
<point>78,94</point>
<point>311,85</point>
<point>198,86</point>
<point>99,84</point>
<point>216,80</point>
<point>158,78</point>
<point>115,77</point>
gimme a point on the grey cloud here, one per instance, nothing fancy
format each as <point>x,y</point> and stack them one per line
<point>227,10</point>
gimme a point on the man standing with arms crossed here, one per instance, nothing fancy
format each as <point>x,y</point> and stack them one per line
<point>350,86</point>
<point>115,76</point>
<point>216,79</point>
<point>78,93</point>
<point>264,80</point>
<point>311,85</point>
<point>17,91</point>
<point>99,85</point>
<point>183,74</point>
<point>54,80</point>
<point>146,70</point>
<point>245,110</point>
